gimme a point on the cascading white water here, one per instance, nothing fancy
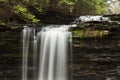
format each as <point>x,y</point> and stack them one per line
<point>27,34</point>
<point>50,52</point>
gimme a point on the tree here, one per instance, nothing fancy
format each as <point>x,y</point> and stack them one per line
<point>14,10</point>
<point>84,7</point>
<point>27,10</point>
<point>65,6</point>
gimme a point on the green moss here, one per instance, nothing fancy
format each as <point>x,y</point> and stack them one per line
<point>87,33</point>
<point>78,33</point>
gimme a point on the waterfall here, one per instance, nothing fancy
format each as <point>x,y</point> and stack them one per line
<point>50,50</point>
<point>28,33</point>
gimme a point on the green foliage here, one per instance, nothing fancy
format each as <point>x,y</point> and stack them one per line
<point>1,1</point>
<point>2,23</point>
<point>30,17</point>
<point>19,9</point>
<point>27,10</point>
<point>66,6</point>
<point>67,2</point>
<point>41,5</point>
<point>100,6</point>
<point>23,12</point>
<point>90,7</point>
